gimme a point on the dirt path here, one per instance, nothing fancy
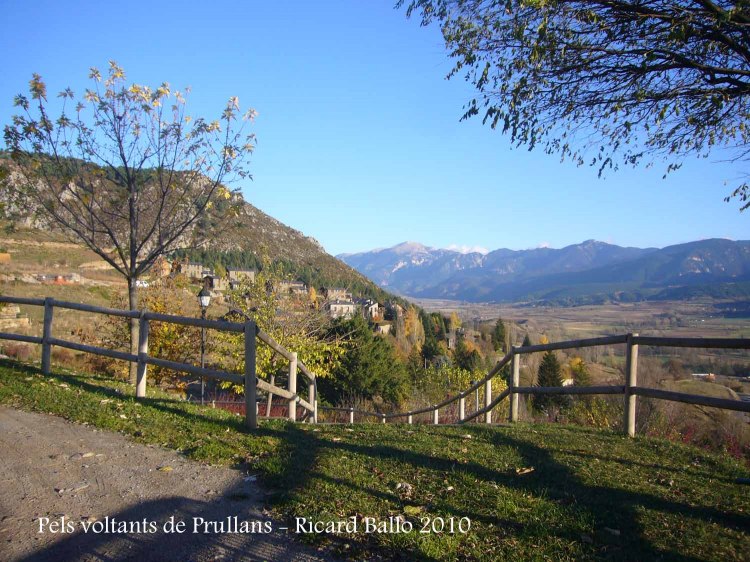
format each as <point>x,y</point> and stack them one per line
<point>51,468</point>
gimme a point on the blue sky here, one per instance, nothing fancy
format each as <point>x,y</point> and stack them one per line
<point>359,139</point>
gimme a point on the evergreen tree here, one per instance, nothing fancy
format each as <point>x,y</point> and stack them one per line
<point>430,349</point>
<point>368,368</point>
<point>526,341</point>
<point>439,325</point>
<point>498,336</point>
<point>465,357</point>
<point>580,372</point>
<point>549,375</point>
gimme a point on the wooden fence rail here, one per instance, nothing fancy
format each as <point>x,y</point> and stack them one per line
<point>248,379</point>
<point>630,390</point>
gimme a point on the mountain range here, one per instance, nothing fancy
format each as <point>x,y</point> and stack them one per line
<point>589,272</point>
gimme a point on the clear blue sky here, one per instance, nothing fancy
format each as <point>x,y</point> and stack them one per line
<point>359,139</point>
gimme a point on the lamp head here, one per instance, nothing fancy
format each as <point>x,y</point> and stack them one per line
<point>204,298</point>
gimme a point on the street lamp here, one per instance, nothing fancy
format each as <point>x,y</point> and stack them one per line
<point>204,299</point>
<point>476,396</point>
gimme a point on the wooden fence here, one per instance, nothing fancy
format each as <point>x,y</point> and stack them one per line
<point>630,390</point>
<point>248,379</point>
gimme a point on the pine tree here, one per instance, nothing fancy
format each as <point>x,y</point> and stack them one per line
<point>549,375</point>
<point>526,341</point>
<point>580,372</point>
<point>498,336</point>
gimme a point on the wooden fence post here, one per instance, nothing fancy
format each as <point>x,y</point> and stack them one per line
<point>315,404</point>
<point>142,367</point>
<point>515,380</point>
<point>409,419</point>
<point>270,397</point>
<point>383,418</point>
<point>631,380</point>
<point>251,382</point>
<point>435,417</point>
<point>293,386</point>
<point>488,400</point>
<point>46,335</point>
<point>311,399</point>
<point>461,408</point>
<point>351,415</point>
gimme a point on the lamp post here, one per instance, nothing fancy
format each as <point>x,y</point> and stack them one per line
<point>204,299</point>
<point>476,396</point>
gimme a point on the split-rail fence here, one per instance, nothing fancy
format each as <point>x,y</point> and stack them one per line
<point>630,390</point>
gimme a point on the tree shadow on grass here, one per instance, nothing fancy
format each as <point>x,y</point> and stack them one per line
<point>613,509</point>
<point>633,463</point>
<point>608,507</point>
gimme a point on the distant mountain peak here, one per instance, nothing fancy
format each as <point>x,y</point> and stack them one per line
<point>409,248</point>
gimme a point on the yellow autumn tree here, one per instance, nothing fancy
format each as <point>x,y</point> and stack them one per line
<point>288,319</point>
<point>413,327</point>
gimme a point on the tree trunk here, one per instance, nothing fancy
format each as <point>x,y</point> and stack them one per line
<point>133,303</point>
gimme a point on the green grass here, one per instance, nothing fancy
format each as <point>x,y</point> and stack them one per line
<point>590,495</point>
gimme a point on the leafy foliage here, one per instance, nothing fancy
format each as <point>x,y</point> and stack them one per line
<point>466,355</point>
<point>580,371</point>
<point>293,321</point>
<point>605,83</point>
<point>173,342</point>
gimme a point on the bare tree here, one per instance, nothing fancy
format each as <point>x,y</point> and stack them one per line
<point>126,171</point>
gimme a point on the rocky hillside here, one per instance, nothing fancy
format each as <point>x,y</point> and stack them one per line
<point>254,235</point>
<point>247,239</point>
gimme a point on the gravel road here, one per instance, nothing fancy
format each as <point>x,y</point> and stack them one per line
<point>56,477</point>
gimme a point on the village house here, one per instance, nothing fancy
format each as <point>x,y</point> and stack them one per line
<point>11,317</point>
<point>450,339</point>
<point>240,274</point>
<point>383,328</point>
<point>341,308</point>
<point>215,283</point>
<point>193,270</point>
<point>395,310</point>
<point>370,308</point>
<point>58,278</point>
<point>337,293</point>
<point>292,288</point>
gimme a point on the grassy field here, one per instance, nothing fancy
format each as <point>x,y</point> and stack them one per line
<point>529,491</point>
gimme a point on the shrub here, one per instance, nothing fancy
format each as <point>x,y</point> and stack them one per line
<point>63,356</point>
<point>595,412</point>
<point>173,342</point>
<point>18,351</point>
